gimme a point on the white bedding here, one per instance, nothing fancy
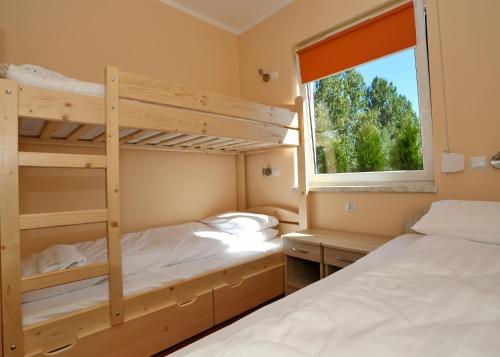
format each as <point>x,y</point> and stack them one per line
<point>438,297</point>
<point>151,258</point>
<point>36,76</point>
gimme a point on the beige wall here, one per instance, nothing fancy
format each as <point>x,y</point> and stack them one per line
<point>78,38</point>
<point>471,55</point>
<point>158,188</point>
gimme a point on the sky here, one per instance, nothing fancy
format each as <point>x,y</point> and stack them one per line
<point>399,69</point>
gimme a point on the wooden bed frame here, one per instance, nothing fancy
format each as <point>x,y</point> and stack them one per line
<point>186,119</point>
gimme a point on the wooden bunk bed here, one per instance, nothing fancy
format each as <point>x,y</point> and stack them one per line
<point>183,119</point>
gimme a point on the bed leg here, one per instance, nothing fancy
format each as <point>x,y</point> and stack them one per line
<point>10,256</point>
<point>241,193</point>
<point>113,195</point>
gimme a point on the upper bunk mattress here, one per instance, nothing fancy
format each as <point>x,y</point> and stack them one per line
<point>150,259</point>
<point>37,76</point>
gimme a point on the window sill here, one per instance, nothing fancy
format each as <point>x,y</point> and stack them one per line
<point>425,187</point>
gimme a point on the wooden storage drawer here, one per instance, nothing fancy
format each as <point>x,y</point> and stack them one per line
<point>302,250</point>
<point>251,291</point>
<point>140,336</point>
<point>340,258</point>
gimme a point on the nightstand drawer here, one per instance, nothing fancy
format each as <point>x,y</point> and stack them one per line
<point>302,250</point>
<point>340,258</point>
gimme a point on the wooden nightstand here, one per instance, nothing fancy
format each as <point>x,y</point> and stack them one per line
<point>312,254</point>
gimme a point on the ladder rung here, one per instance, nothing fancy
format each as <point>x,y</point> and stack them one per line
<point>57,219</point>
<point>63,276</point>
<point>43,159</point>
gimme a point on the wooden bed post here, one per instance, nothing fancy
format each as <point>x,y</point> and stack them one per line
<point>241,190</point>
<point>113,195</point>
<point>301,167</point>
<point>10,257</point>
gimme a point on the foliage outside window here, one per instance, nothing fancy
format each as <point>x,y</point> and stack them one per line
<point>365,127</point>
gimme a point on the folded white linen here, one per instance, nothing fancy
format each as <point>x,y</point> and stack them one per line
<point>150,249</point>
<point>238,222</point>
<point>59,257</point>
<point>41,77</point>
<point>260,236</point>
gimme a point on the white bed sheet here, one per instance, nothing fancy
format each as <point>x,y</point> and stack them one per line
<point>438,297</point>
<point>37,76</point>
<point>236,251</point>
<point>383,255</point>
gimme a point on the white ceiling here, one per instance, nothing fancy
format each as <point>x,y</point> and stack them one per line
<point>235,16</point>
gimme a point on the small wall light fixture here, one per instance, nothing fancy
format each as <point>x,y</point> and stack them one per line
<point>266,77</point>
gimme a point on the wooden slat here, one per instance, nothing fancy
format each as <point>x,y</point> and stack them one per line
<point>177,140</point>
<point>113,195</point>
<point>63,276</point>
<point>10,254</point>
<point>156,117</point>
<point>213,142</point>
<point>58,219</point>
<point>49,129</point>
<point>47,104</point>
<point>151,139</point>
<point>157,91</point>
<point>226,143</point>
<point>198,140</point>
<point>301,168</point>
<point>241,193</point>
<point>90,144</point>
<point>43,159</point>
<point>80,131</point>
<point>158,139</point>
<point>132,136</point>
<point>240,144</point>
<point>61,106</point>
<point>100,138</point>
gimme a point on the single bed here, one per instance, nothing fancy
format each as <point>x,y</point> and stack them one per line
<point>413,296</point>
<point>151,259</point>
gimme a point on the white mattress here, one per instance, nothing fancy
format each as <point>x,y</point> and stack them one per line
<point>438,297</point>
<point>146,276</point>
<point>383,255</point>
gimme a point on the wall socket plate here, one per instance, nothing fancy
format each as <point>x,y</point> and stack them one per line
<point>350,206</point>
<point>478,163</point>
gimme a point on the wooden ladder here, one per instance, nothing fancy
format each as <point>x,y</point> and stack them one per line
<point>12,222</point>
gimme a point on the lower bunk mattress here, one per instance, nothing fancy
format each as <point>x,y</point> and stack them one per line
<point>151,259</point>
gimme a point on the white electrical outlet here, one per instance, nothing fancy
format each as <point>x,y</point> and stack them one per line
<point>350,206</point>
<point>478,163</point>
<point>275,172</point>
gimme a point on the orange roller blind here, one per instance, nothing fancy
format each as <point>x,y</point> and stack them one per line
<point>388,33</point>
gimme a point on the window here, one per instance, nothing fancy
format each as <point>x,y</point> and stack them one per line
<point>368,96</point>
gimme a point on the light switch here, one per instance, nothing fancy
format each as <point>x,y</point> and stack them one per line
<point>478,163</point>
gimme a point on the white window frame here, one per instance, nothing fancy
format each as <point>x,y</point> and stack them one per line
<point>425,176</point>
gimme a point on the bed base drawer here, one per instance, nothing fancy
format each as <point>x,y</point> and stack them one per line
<point>251,291</point>
<point>140,336</point>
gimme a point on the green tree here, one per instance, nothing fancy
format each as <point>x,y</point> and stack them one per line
<point>369,147</point>
<point>406,153</point>
<point>360,128</point>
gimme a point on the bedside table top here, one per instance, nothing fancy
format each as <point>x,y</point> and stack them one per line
<point>356,242</point>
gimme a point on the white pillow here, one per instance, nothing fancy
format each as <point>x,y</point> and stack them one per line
<point>473,220</point>
<point>260,236</point>
<point>238,222</point>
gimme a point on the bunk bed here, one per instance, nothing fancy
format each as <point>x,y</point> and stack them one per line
<point>139,113</point>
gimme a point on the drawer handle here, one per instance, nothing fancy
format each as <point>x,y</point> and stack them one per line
<point>300,250</point>
<point>344,260</point>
